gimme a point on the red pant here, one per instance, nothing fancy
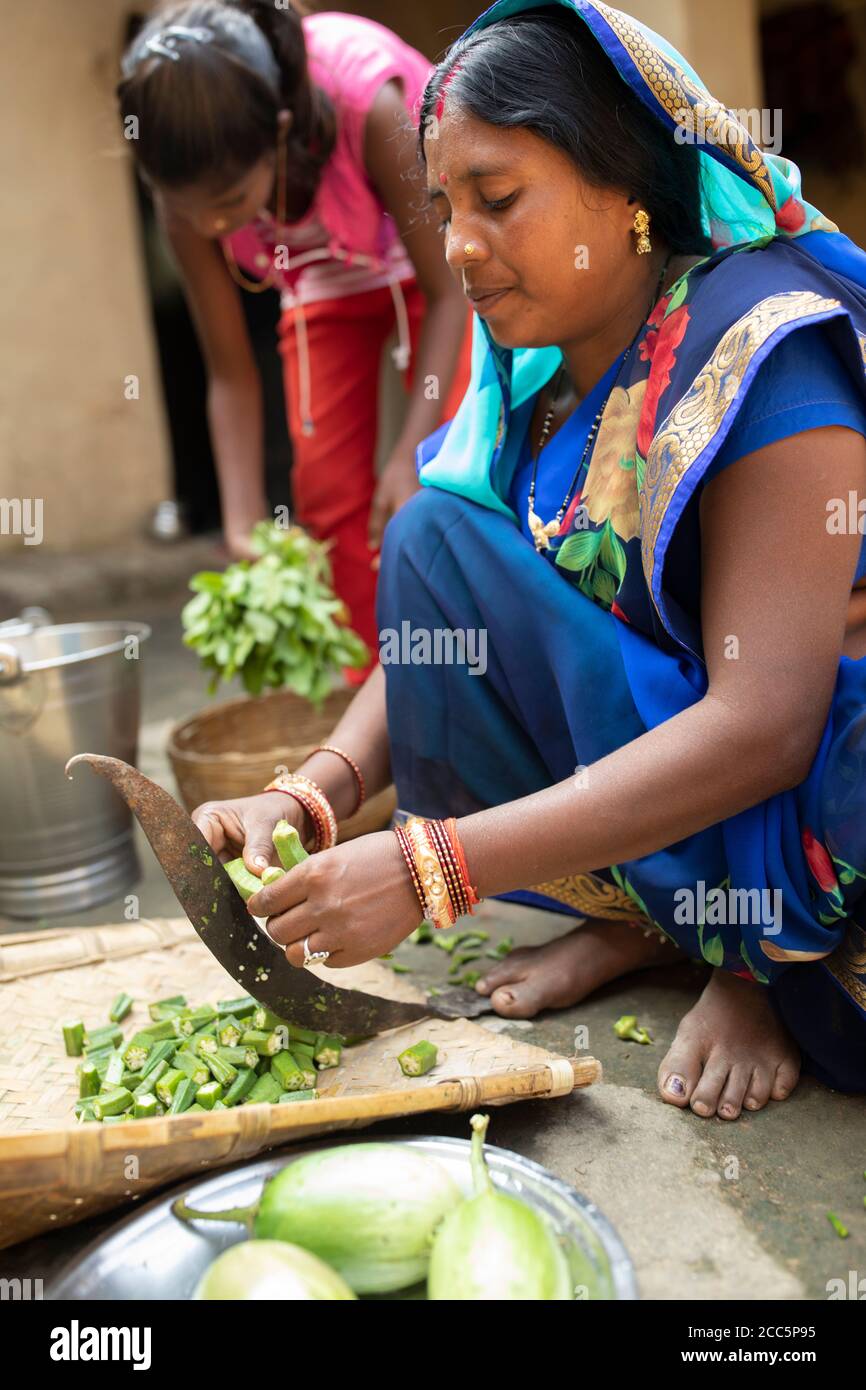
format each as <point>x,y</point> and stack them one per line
<point>333,477</point>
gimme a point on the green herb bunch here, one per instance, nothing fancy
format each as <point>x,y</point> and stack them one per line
<point>273,621</point>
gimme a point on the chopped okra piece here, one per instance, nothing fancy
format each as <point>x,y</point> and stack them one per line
<point>296,1095</point>
<point>148,1082</point>
<point>84,1107</point>
<point>109,1036</point>
<point>239,1056</point>
<point>246,883</point>
<point>266,1088</point>
<point>192,1066</point>
<point>162,1009</point>
<point>502,948</point>
<point>193,1020</point>
<point>418,1059</point>
<point>271,874</point>
<point>73,1038</point>
<point>265,1021</point>
<point>120,1008</point>
<point>306,1036</point>
<point>287,1072</point>
<point>208,1094</point>
<point>240,1008</point>
<point>422,934</point>
<point>184,1096</point>
<point>229,1032</point>
<point>137,1051</point>
<point>145,1106</point>
<point>88,1080</point>
<point>328,1051</point>
<point>629,1030</point>
<point>240,1087</point>
<point>114,1071</point>
<point>307,1069</point>
<point>162,1051</point>
<point>113,1102</point>
<point>287,843</point>
<point>265,1043</point>
<point>168,1084</point>
<point>840,1229</point>
<point>220,1069</point>
<point>445,943</point>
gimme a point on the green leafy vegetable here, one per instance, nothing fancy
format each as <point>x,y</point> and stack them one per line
<point>275,621</point>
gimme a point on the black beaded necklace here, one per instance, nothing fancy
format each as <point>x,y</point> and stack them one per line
<point>541,533</point>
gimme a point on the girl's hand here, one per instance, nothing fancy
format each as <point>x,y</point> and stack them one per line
<point>245,826</point>
<point>399,481</point>
<point>355,900</point>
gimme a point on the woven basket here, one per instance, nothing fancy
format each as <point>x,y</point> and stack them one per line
<point>54,1172</point>
<point>236,748</point>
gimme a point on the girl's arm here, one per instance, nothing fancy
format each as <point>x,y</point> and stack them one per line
<point>776,580</point>
<point>390,152</point>
<point>234,386</point>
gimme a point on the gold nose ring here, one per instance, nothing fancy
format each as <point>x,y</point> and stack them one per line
<point>469,248</point>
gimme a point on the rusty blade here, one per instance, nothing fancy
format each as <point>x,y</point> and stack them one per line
<point>213,905</point>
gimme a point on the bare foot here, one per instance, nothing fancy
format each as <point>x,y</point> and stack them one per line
<point>566,970</point>
<point>730,1051</point>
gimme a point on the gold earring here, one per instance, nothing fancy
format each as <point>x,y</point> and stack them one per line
<point>469,248</point>
<point>641,227</point>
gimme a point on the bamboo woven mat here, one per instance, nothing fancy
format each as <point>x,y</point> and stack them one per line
<point>54,1171</point>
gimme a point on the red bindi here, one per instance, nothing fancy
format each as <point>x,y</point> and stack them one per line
<point>443,178</point>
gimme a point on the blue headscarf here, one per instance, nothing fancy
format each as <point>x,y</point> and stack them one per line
<point>748,196</point>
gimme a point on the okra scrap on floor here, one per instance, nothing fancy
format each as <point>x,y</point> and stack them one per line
<point>54,1171</point>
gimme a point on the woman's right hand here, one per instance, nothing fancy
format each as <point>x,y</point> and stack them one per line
<point>245,826</point>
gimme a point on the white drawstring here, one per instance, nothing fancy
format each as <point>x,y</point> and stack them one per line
<point>401,354</point>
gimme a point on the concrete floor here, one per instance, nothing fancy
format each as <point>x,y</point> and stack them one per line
<point>708,1209</point>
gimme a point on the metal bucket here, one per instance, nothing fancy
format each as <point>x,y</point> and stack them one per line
<point>71,688</point>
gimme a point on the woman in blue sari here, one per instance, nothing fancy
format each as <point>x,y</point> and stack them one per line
<point>645,523</point>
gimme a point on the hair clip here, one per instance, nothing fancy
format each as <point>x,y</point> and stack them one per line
<point>164,42</point>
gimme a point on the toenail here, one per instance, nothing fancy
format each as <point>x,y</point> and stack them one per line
<point>753,1104</point>
<point>481,986</point>
<point>701,1108</point>
<point>507,996</point>
<point>728,1110</point>
<point>676,1085</point>
<point>782,1092</point>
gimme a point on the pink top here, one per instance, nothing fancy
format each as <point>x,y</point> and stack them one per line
<point>347,242</point>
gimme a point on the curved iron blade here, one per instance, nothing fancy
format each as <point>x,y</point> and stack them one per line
<point>219,915</point>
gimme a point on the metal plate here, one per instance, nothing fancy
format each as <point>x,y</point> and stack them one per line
<point>151,1255</point>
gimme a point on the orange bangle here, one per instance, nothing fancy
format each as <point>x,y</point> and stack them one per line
<point>359,776</point>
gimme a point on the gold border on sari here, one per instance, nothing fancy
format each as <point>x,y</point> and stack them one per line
<point>591,896</point>
<point>698,415</point>
<point>688,103</point>
<point>848,963</point>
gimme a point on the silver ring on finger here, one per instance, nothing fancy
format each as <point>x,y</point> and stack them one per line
<point>313,957</point>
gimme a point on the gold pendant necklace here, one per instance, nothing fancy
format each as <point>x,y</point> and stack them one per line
<point>257,286</point>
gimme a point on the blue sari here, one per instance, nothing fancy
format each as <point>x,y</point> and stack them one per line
<point>598,640</point>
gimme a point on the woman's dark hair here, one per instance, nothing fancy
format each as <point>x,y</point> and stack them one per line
<point>544,71</point>
<point>211,113</point>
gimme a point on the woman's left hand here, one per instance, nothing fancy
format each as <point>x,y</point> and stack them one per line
<point>398,482</point>
<point>356,901</point>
